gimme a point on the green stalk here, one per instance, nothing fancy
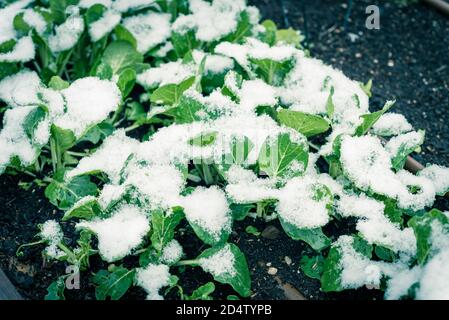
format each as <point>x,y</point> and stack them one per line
<point>19,249</point>
<point>208,178</point>
<point>192,262</point>
<point>54,157</point>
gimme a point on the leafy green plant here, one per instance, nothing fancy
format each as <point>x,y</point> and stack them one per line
<point>228,123</point>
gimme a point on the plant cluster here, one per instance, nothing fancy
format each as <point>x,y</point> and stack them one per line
<point>146,120</point>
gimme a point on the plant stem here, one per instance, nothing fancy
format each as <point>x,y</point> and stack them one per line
<point>207,174</point>
<point>54,160</point>
<point>19,252</point>
<point>192,262</point>
<point>132,127</point>
<point>77,154</point>
<point>67,251</point>
<point>117,112</point>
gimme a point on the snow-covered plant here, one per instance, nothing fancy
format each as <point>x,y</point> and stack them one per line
<point>238,122</point>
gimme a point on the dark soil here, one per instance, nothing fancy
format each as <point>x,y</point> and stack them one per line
<point>407,59</point>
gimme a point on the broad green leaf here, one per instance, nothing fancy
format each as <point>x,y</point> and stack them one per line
<point>123,34</point>
<point>203,292</point>
<point>7,69</point>
<point>370,119</point>
<point>399,159</point>
<point>332,268</point>
<point>98,132</point>
<point>278,156</point>
<point>422,227</point>
<point>289,36</point>
<point>65,194</point>
<point>55,290</point>
<point>273,72</point>
<point>112,283</point>
<point>126,82</point>
<point>187,110</point>
<point>58,9</point>
<point>210,238</point>
<point>270,32</point>
<point>313,237</point>
<point>170,94</point>
<point>362,246</point>
<point>94,13</point>
<point>307,124</point>
<point>57,83</point>
<point>65,139</point>
<point>32,120</point>
<point>384,253</point>
<point>312,266</point>
<point>163,227</point>
<point>121,55</point>
<point>240,279</point>
<point>184,43</point>
<point>203,139</point>
<point>20,25</point>
<point>243,30</point>
<point>136,112</point>
<point>86,210</point>
<point>240,211</point>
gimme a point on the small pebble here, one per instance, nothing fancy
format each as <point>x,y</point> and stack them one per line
<point>288,260</point>
<point>391,63</point>
<point>272,271</point>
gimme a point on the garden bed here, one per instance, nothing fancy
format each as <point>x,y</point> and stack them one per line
<point>407,60</point>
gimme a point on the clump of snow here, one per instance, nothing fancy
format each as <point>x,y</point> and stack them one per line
<point>66,35</point>
<point>171,72</point>
<point>7,15</point>
<point>120,233</point>
<point>256,93</point>
<point>127,5</point>
<point>20,89</point>
<point>88,101</point>
<point>299,206</point>
<point>208,208</point>
<point>23,51</point>
<point>149,29</point>
<point>391,124</point>
<point>375,227</point>
<point>89,3</point>
<point>221,263</point>
<point>210,21</point>
<point>98,29</point>
<point>35,20</point>
<point>172,252</point>
<point>214,63</point>
<point>109,158</point>
<point>51,233</point>
<point>404,141</point>
<point>152,279</point>
<point>439,176</point>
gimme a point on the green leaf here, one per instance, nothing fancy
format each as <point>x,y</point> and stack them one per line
<point>98,132</point>
<point>277,156</point>
<point>7,69</point>
<point>203,139</point>
<point>184,43</point>
<point>209,238</point>
<point>186,110</point>
<point>126,82</point>
<point>240,211</point>
<point>236,80</point>
<point>332,268</point>
<point>171,93</point>
<point>55,290</point>
<point>422,227</point>
<point>56,83</point>
<point>384,253</point>
<point>86,210</point>
<point>312,266</point>
<point>240,280</point>
<point>123,34</point>
<point>370,119</point>
<point>367,87</point>
<point>64,138</point>
<point>313,237</point>
<point>94,13</point>
<point>112,283</point>
<point>121,55</point>
<point>65,194</point>
<point>289,36</point>
<point>20,25</point>
<point>163,227</point>
<point>58,9</point>
<point>252,230</point>
<point>32,120</point>
<point>203,292</point>
<point>307,124</point>
<point>135,112</point>
<point>273,72</point>
<point>399,159</point>
<point>270,32</point>
<point>330,107</point>
<point>362,246</point>
<point>243,30</point>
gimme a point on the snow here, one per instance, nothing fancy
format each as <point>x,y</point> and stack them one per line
<point>256,93</point>
<point>20,89</point>
<point>36,20</point>
<point>172,252</point>
<point>391,124</point>
<point>221,263</point>
<point>298,204</point>
<point>52,234</point>
<point>120,233</point>
<point>368,165</point>
<point>211,21</point>
<point>439,176</point>
<point>208,208</point>
<point>214,63</point>
<point>104,25</point>
<point>23,51</point>
<point>149,29</point>
<point>89,3</point>
<point>88,101</point>
<point>109,158</point>
<point>66,35</point>
<point>375,227</point>
<point>152,279</point>
<point>404,141</point>
<point>127,5</point>
<point>171,72</point>
<point>109,194</point>
<point>401,282</point>
<point>7,15</point>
